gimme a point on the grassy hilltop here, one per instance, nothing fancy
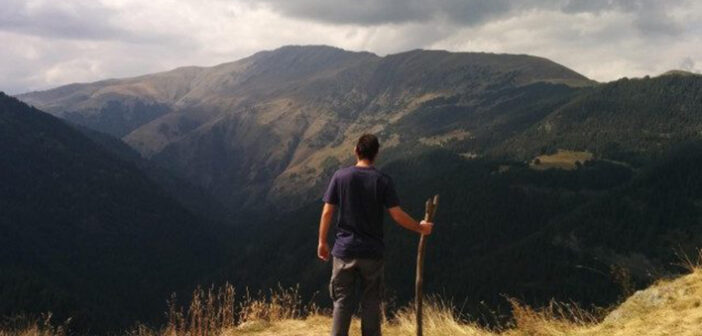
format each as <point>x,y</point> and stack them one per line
<point>669,307</point>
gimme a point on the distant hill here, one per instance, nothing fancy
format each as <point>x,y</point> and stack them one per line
<point>85,234</point>
<point>679,73</point>
<point>255,130</point>
<point>628,120</point>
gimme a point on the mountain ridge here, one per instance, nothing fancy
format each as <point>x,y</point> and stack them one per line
<point>68,86</point>
<point>316,98</point>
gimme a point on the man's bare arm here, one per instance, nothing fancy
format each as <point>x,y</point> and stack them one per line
<point>324,224</point>
<point>407,222</point>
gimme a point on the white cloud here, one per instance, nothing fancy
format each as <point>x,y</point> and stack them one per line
<point>50,43</point>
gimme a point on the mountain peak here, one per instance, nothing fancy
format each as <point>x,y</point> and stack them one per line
<point>678,72</point>
<point>312,50</point>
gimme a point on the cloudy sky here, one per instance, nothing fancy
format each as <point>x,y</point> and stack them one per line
<point>46,43</point>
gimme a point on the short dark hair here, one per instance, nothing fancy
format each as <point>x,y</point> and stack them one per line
<point>367,146</point>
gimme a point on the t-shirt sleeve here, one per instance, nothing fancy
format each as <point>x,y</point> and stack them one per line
<point>390,198</point>
<point>331,196</point>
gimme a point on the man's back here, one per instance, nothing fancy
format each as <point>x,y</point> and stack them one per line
<point>361,195</point>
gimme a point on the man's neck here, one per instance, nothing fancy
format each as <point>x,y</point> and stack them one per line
<point>364,163</point>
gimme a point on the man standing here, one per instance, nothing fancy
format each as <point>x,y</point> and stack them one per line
<point>360,192</point>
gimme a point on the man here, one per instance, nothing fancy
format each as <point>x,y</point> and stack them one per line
<point>360,192</point>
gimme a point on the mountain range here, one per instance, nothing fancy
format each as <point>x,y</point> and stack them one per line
<point>552,185</point>
<point>256,130</point>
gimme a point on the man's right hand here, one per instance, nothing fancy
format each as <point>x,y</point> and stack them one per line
<point>425,227</point>
<point>323,251</point>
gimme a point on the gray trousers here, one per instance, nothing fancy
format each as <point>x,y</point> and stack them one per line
<point>349,277</point>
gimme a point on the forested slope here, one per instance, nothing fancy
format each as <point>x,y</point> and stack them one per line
<point>85,234</point>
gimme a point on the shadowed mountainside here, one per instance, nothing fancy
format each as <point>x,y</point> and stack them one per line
<point>85,234</point>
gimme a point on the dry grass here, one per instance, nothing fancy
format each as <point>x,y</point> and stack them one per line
<point>23,326</point>
<point>555,319</point>
<point>216,311</point>
<point>439,319</point>
<point>669,307</point>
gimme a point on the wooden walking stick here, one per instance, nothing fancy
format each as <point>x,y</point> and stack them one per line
<point>431,206</point>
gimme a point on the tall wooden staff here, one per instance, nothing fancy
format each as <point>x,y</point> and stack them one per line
<point>431,206</point>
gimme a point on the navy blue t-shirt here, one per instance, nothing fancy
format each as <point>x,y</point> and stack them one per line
<point>361,195</point>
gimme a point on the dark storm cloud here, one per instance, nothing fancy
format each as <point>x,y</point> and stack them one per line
<point>651,15</point>
<point>374,12</point>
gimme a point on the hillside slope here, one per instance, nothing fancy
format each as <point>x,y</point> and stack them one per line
<point>266,129</point>
<point>630,120</point>
<point>85,234</point>
<point>671,307</point>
